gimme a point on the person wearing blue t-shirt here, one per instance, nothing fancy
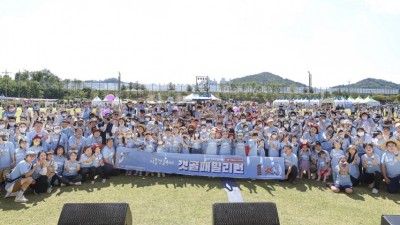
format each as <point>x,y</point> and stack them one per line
<point>98,163</point>
<point>323,163</point>
<point>20,152</point>
<point>336,154</point>
<point>7,157</point>
<point>342,181</point>
<point>240,145</point>
<point>291,164</point>
<point>354,161</point>
<point>20,177</point>
<point>372,170</point>
<point>71,174</point>
<point>391,165</point>
<point>253,144</point>
<point>86,162</point>
<point>108,153</point>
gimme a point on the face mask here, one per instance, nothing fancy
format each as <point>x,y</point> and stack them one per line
<point>243,120</point>
<point>162,111</point>
<point>133,123</point>
<point>306,117</point>
<point>360,134</point>
<point>269,134</point>
<point>196,135</point>
<point>147,119</point>
<point>286,125</point>
<point>57,131</point>
<point>309,124</point>
<point>12,109</point>
<point>2,126</point>
<point>22,129</point>
<point>260,125</point>
<point>273,136</point>
<point>203,130</point>
<point>203,122</point>
<point>160,142</point>
<point>36,143</point>
<point>293,118</point>
<point>11,124</point>
<point>253,122</point>
<point>364,117</point>
<point>245,129</point>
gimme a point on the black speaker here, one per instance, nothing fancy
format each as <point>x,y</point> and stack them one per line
<point>390,219</point>
<point>245,213</point>
<point>95,214</point>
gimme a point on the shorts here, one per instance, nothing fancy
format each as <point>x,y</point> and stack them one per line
<point>13,187</point>
<point>323,172</point>
<point>344,187</point>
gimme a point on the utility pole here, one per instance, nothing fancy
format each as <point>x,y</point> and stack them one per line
<point>19,83</point>
<point>137,90</point>
<point>6,74</point>
<point>348,88</point>
<point>309,86</point>
<point>119,84</point>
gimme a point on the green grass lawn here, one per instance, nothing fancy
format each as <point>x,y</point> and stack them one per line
<point>188,200</point>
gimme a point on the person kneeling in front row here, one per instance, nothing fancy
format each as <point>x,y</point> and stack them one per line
<point>343,181</point>
<point>21,177</point>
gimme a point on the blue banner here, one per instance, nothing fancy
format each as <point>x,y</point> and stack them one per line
<point>233,166</point>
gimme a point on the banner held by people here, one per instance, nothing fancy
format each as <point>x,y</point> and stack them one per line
<point>254,167</point>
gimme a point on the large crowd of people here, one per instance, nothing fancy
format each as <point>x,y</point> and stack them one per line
<point>64,145</point>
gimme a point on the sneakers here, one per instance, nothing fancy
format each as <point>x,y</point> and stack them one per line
<point>104,180</point>
<point>49,190</point>
<point>78,183</point>
<point>20,197</point>
<point>9,194</point>
<point>92,182</point>
<point>375,191</point>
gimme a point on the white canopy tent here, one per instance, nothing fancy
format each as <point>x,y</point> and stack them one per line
<point>197,97</point>
<point>96,101</point>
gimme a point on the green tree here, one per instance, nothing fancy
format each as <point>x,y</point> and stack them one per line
<point>171,86</point>
<point>189,88</point>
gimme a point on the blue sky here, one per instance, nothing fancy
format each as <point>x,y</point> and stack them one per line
<point>158,41</point>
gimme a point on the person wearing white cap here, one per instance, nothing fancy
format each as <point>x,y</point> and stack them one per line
<point>21,177</point>
<point>391,165</point>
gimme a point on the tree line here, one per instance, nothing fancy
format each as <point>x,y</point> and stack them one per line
<point>45,84</point>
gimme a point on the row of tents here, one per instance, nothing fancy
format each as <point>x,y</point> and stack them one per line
<point>117,101</point>
<point>334,101</point>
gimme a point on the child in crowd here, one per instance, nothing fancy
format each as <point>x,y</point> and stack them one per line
<point>305,156</point>
<point>323,170</point>
<point>98,163</point>
<point>71,169</point>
